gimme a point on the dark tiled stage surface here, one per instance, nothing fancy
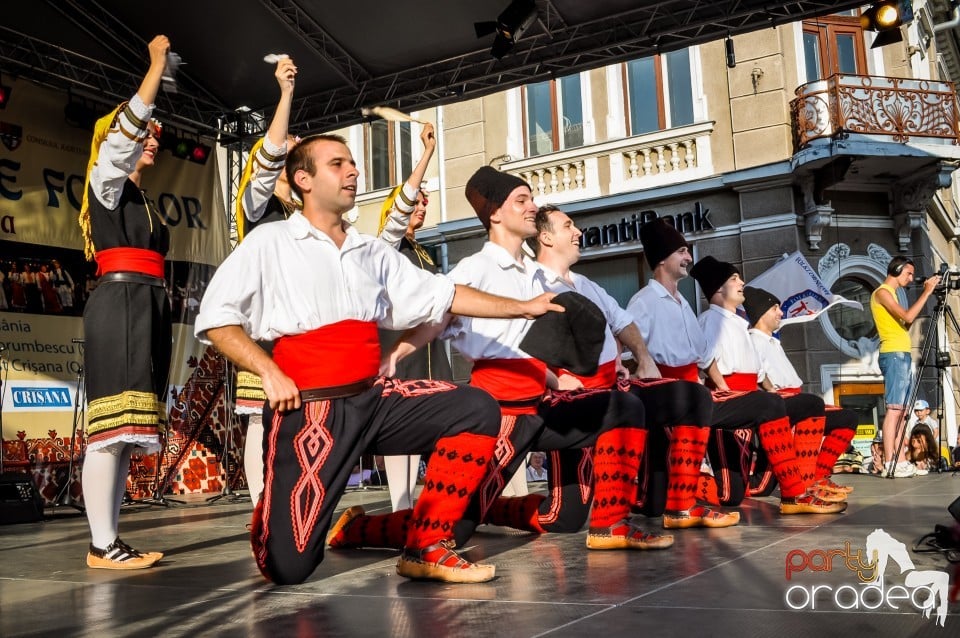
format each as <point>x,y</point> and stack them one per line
<point>727,582</point>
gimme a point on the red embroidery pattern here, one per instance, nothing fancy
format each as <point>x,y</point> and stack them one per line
<point>260,530</point>
<point>415,387</point>
<point>585,469</point>
<point>313,445</point>
<point>503,453</point>
<point>557,397</point>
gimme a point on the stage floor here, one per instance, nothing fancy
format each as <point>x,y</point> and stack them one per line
<point>728,582</point>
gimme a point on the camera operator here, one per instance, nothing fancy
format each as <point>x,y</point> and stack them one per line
<point>892,322</point>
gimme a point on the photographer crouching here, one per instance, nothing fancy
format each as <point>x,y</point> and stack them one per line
<point>892,322</point>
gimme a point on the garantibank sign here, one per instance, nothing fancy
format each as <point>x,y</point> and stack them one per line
<point>601,230</point>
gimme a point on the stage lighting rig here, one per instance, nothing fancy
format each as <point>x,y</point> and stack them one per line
<point>510,25</point>
<point>4,94</point>
<point>886,18</point>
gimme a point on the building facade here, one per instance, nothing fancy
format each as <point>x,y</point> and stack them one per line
<point>813,142</point>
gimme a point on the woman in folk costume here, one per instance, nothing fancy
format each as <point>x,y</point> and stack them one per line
<point>127,324</point>
<point>401,216</point>
<point>264,196</point>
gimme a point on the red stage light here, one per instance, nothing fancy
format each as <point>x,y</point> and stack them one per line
<point>4,95</point>
<point>200,153</point>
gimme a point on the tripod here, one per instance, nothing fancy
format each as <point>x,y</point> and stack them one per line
<point>227,492</point>
<point>79,412</point>
<point>936,336</point>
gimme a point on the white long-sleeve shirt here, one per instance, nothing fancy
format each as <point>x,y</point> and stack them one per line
<point>495,271</point>
<point>773,361</point>
<point>287,278</point>
<point>119,152</point>
<point>268,162</point>
<point>728,342</point>
<point>668,326</point>
<point>398,219</point>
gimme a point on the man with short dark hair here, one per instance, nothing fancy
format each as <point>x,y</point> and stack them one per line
<point>892,321</point>
<point>683,408</point>
<point>319,289</point>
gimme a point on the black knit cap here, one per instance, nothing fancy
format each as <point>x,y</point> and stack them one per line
<point>571,339</point>
<point>711,274</point>
<point>660,240</point>
<point>487,189</point>
<point>758,302</point>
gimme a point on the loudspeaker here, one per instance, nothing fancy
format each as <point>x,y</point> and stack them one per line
<point>19,500</point>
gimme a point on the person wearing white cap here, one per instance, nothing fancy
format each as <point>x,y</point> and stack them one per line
<point>921,414</point>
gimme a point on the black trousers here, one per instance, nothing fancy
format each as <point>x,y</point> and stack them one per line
<point>309,453</point>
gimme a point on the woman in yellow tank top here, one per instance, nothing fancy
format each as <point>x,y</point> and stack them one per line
<point>892,322</point>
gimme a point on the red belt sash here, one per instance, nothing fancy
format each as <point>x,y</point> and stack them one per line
<point>605,377</point>
<point>742,381</point>
<point>687,372</point>
<point>141,260</point>
<point>788,392</point>
<point>518,384</point>
<point>339,354</point>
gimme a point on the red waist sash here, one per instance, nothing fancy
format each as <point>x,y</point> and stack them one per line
<point>742,381</point>
<point>338,354</point>
<point>605,377</point>
<point>141,260</point>
<point>688,372</point>
<point>788,392</point>
<point>518,384</point>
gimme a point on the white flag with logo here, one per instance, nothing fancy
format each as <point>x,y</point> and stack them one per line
<point>802,294</point>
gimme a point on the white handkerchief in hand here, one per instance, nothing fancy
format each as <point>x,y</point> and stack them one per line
<point>273,58</point>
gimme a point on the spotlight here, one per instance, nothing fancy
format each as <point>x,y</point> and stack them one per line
<point>4,95</point>
<point>886,18</point>
<point>182,148</point>
<point>510,25</point>
<point>200,153</point>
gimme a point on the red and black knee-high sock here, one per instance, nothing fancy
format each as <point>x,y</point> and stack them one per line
<point>688,445</point>
<point>616,462</point>
<point>518,512</point>
<point>834,444</point>
<point>707,489</point>
<point>776,437</point>
<point>807,436</point>
<point>381,530</point>
<point>454,472</point>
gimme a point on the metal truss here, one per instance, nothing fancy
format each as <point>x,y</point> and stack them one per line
<point>313,35</point>
<point>560,49</point>
<point>54,66</point>
<point>554,48</point>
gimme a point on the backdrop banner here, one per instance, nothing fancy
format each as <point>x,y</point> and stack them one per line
<point>45,281</point>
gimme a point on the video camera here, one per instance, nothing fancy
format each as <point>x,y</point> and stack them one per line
<point>949,279</point>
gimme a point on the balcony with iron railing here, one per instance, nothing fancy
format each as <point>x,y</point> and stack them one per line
<point>882,109</point>
<point>632,163</point>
